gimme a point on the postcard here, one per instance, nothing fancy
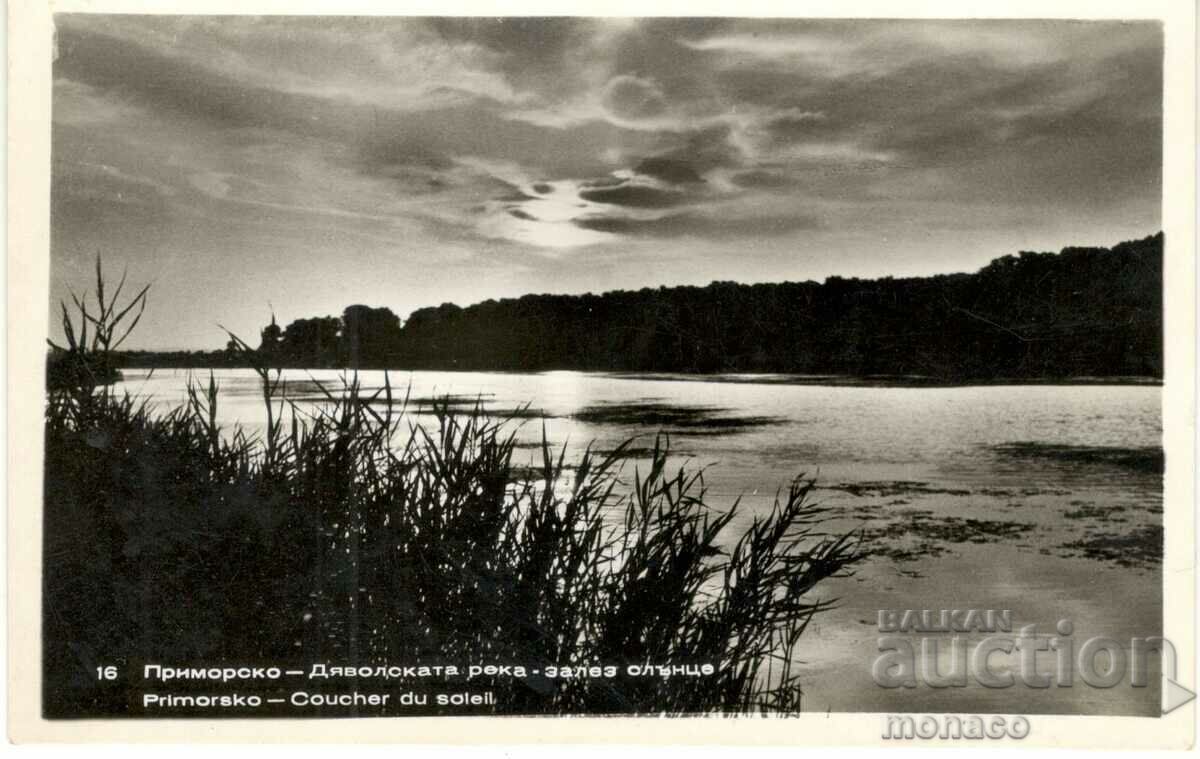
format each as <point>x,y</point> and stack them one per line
<point>747,373</point>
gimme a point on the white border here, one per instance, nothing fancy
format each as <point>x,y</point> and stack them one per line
<point>28,235</point>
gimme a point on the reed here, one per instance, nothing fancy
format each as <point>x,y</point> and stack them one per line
<point>346,533</point>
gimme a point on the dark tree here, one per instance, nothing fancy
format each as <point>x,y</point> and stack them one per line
<point>1081,312</point>
<point>312,342</point>
<point>271,337</point>
<point>370,337</point>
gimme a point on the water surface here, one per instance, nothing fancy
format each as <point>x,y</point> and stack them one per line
<point>1042,499</point>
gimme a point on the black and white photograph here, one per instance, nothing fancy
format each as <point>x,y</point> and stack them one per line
<point>446,366</point>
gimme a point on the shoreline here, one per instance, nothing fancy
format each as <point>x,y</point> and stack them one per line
<point>751,378</point>
<point>907,381</point>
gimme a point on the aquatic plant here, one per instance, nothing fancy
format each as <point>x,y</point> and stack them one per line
<point>350,534</point>
<point>82,364</point>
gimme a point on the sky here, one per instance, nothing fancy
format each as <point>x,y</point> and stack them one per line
<point>245,166</point>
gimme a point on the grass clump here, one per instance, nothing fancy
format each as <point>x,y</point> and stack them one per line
<point>84,361</point>
<point>349,534</point>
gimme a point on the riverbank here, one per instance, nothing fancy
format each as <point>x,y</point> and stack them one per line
<point>350,536</point>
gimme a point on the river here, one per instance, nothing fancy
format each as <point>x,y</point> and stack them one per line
<point>1045,500</point>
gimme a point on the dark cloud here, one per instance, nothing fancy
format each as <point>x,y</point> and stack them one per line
<point>380,155</point>
<point>654,53</point>
<point>473,130</point>
<point>634,196</point>
<point>683,29</point>
<point>379,137</point>
<point>532,52</point>
<point>771,87</point>
<point>668,170</point>
<point>609,181</point>
<point>795,125</point>
<point>528,36</point>
<point>514,197</point>
<point>129,70</point>
<point>707,148</point>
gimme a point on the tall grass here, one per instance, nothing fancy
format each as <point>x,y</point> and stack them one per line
<point>350,535</point>
<point>84,362</point>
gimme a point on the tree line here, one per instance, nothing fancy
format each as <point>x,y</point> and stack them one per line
<point>1080,312</point>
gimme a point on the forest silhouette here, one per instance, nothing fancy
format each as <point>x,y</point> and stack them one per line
<point>1083,312</point>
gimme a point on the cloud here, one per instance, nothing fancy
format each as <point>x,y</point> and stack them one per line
<point>634,196</point>
<point>763,178</point>
<point>697,224</point>
<point>668,170</point>
<point>792,124</point>
<point>402,66</point>
<point>631,99</point>
<point>831,55</point>
<point>419,144</point>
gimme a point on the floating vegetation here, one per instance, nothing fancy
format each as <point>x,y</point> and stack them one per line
<point>1150,460</point>
<point>521,412</point>
<point>528,445</point>
<point>458,400</point>
<point>437,408</point>
<point>1141,548</point>
<point>681,419</point>
<point>919,552</point>
<point>533,473</point>
<point>635,452</point>
<point>1085,510</point>
<point>892,488</point>
<point>933,533</point>
<point>303,388</point>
